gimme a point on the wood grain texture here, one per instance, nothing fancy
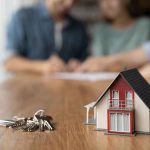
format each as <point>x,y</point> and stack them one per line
<point>64,100</point>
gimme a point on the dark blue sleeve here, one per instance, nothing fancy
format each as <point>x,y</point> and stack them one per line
<point>83,52</point>
<point>16,34</point>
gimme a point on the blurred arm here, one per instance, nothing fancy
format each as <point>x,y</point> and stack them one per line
<point>145,71</point>
<point>133,59</point>
<point>117,62</point>
<point>21,64</point>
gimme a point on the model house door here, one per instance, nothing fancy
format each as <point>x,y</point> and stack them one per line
<point>115,98</point>
<point>120,122</point>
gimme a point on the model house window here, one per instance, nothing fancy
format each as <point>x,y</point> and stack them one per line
<point>115,98</point>
<point>119,122</point>
<point>113,124</point>
<point>126,122</point>
<point>129,98</point>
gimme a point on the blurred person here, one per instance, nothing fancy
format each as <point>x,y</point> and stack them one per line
<point>137,58</point>
<point>120,31</point>
<point>46,38</point>
<point>121,28</point>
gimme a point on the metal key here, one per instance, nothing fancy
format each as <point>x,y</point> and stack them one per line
<point>48,125</point>
<point>5,123</point>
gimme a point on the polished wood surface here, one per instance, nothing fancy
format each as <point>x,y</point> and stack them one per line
<point>64,101</point>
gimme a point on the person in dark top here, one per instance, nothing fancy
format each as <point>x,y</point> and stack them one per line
<point>45,38</point>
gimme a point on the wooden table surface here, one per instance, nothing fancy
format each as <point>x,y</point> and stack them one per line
<point>64,101</point>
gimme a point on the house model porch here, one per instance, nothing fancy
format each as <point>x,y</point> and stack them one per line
<point>124,107</point>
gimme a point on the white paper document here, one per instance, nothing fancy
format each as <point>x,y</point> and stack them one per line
<point>85,76</point>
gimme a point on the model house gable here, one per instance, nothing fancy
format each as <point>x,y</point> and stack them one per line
<point>121,94</point>
<point>124,86</point>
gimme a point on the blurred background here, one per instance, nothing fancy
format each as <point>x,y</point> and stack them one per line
<point>86,10</point>
<point>7,8</point>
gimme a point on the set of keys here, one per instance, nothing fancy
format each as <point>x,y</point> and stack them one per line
<point>39,122</point>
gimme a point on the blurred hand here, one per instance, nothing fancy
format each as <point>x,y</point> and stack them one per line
<point>95,64</point>
<point>54,64</point>
<point>58,62</point>
<point>145,71</point>
<point>73,64</point>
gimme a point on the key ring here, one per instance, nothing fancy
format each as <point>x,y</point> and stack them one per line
<point>39,112</point>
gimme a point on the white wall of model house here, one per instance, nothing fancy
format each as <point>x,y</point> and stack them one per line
<point>101,108</point>
<point>142,116</point>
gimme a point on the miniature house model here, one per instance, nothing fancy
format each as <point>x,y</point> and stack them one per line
<point>124,107</point>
